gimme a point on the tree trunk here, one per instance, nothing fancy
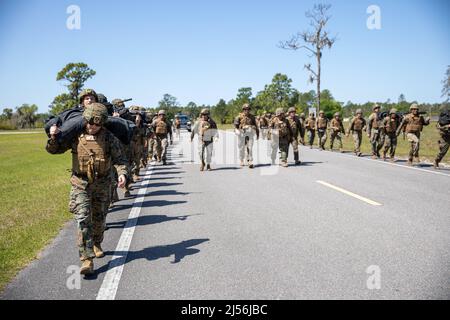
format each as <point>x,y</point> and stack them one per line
<point>318,79</point>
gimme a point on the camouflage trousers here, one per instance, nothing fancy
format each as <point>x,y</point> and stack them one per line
<point>376,141</point>
<point>444,145</point>
<point>245,145</point>
<point>414,140</point>
<point>335,136</point>
<point>357,140</point>
<point>137,151</point>
<point>264,132</point>
<point>281,144</point>
<point>391,144</point>
<point>295,145</point>
<point>151,148</point>
<point>113,190</point>
<point>311,136</point>
<point>161,145</point>
<point>322,135</point>
<point>89,204</point>
<point>205,151</point>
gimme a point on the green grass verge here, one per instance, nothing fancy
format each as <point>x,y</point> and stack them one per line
<point>34,196</point>
<point>429,147</point>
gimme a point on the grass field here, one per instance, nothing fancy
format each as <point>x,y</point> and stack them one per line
<point>33,196</point>
<point>429,147</point>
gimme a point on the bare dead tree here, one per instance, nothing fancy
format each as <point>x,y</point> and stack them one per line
<point>314,41</point>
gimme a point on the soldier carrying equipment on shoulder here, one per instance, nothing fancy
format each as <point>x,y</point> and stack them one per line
<point>280,133</point>
<point>375,131</point>
<point>321,127</point>
<point>390,124</point>
<point>246,129</point>
<point>162,129</point>
<point>297,131</point>
<point>303,131</point>
<point>412,125</point>
<point>207,132</point>
<point>93,154</point>
<point>336,128</point>
<point>357,125</point>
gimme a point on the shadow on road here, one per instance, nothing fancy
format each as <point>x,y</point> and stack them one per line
<point>149,220</point>
<point>225,168</point>
<point>179,251</point>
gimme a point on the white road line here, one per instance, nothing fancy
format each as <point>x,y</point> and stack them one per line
<point>350,193</point>
<point>111,281</point>
<point>388,163</point>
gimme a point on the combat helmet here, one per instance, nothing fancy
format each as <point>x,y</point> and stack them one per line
<point>87,92</point>
<point>204,112</point>
<point>393,111</point>
<point>291,109</point>
<point>245,106</point>
<point>358,111</point>
<point>279,112</point>
<point>414,106</point>
<point>162,112</point>
<point>95,113</point>
<point>118,103</point>
<point>376,106</point>
<point>337,114</point>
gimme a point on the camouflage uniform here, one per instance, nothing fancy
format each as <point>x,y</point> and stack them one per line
<point>303,131</point>
<point>444,143</point>
<point>280,133</point>
<point>321,127</point>
<point>336,128</point>
<point>412,125</point>
<point>297,131</point>
<point>207,131</point>
<point>177,126</point>
<point>162,129</point>
<point>376,132</point>
<point>247,127</point>
<point>92,159</point>
<point>390,125</point>
<point>357,125</point>
<point>137,150</point>
<point>264,125</point>
<point>310,126</point>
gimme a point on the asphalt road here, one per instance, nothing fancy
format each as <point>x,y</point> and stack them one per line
<point>336,227</point>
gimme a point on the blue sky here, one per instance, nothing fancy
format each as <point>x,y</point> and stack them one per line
<point>203,51</point>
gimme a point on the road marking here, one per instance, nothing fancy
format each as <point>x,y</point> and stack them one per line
<point>111,281</point>
<point>350,193</point>
<point>387,163</point>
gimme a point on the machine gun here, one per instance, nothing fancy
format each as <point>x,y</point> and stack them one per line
<point>120,111</point>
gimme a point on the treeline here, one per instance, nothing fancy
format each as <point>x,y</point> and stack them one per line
<point>23,117</point>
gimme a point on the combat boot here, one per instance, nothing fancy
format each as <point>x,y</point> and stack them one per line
<point>250,165</point>
<point>392,159</point>
<point>202,166</point>
<point>296,158</point>
<point>417,159</point>
<point>384,156</point>
<point>87,267</point>
<point>98,251</point>
<point>436,164</point>
<point>208,167</point>
<point>127,194</point>
<point>410,162</point>
<point>284,164</point>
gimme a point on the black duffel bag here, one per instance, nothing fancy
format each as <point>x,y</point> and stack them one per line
<point>444,118</point>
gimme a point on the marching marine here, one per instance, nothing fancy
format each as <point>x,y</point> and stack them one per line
<point>163,130</point>
<point>281,135</point>
<point>206,129</point>
<point>297,131</point>
<point>444,143</point>
<point>412,124</point>
<point>357,125</point>
<point>336,128</point>
<point>321,127</point>
<point>375,131</point>
<point>310,126</point>
<point>93,154</point>
<point>246,128</point>
<point>390,124</point>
